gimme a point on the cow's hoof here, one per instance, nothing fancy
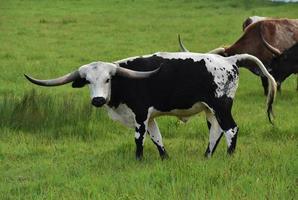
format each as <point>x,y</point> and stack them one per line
<point>231,151</point>
<point>139,155</point>
<point>164,156</point>
<point>139,158</point>
<point>207,155</point>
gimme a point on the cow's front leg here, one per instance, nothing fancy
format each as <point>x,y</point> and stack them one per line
<point>156,137</point>
<point>141,129</point>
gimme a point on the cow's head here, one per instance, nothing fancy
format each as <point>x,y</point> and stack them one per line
<point>98,76</point>
<point>252,20</point>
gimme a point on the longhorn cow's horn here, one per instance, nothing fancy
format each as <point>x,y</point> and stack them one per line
<point>182,47</point>
<point>272,49</point>
<point>134,74</point>
<point>57,81</point>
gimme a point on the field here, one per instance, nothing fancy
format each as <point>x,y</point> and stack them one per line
<point>55,145</point>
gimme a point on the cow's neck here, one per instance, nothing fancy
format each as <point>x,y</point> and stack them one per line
<point>117,93</point>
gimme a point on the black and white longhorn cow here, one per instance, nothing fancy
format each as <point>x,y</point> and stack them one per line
<point>178,84</point>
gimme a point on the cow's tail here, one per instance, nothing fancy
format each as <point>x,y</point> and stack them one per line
<point>272,84</point>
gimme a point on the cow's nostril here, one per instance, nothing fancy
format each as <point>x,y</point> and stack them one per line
<point>98,101</point>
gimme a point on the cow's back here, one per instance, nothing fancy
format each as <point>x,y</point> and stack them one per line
<point>280,33</point>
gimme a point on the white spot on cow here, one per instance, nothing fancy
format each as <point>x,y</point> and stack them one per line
<point>214,132</point>
<point>137,135</point>
<point>230,134</point>
<point>155,133</point>
<point>123,114</point>
<point>255,19</point>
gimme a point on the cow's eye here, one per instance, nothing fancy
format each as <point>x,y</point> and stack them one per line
<point>108,80</point>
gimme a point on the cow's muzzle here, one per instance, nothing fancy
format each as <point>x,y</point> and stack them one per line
<point>98,101</point>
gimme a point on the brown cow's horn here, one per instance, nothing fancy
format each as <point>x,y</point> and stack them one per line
<point>57,81</point>
<point>134,74</point>
<point>272,49</point>
<point>182,47</point>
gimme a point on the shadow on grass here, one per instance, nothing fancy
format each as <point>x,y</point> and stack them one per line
<point>279,134</point>
<point>50,115</point>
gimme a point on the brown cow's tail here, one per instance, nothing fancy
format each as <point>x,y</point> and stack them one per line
<point>181,45</point>
<point>219,50</point>
<point>272,84</point>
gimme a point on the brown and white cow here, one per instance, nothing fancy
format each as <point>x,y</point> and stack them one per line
<point>280,34</point>
<point>254,19</point>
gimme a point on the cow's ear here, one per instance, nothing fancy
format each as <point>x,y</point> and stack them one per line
<point>78,83</point>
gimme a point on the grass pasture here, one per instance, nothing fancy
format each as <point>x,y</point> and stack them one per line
<point>55,145</point>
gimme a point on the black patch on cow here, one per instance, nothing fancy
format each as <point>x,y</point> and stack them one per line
<point>235,69</point>
<point>78,83</point>
<point>251,66</point>
<point>284,65</point>
<point>141,129</point>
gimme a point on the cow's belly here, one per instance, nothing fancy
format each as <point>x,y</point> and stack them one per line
<point>125,115</point>
<point>183,114</point>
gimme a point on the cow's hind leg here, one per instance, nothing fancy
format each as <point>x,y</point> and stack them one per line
<point>156,138</point>
<point>227,123</point>
<point>215,133</point>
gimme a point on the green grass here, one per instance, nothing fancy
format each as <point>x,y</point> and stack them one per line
<point>54,145</point>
